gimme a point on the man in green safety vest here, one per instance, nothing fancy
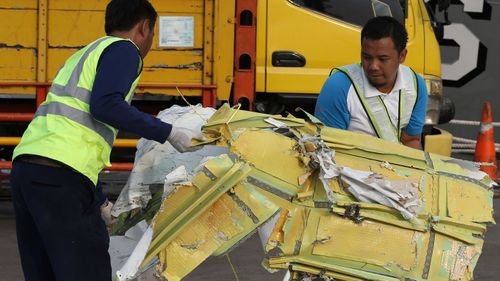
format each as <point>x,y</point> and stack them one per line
<point>61,234</point>
<point>379,96</point>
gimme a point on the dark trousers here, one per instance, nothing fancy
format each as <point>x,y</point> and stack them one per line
<point>60,233</point>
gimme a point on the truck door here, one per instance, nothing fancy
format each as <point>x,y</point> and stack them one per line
<point>307,38</point>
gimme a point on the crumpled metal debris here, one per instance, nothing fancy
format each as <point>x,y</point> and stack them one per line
<point>334,204</point>
<point>322,158</point>
<point>402,195</point>
<point>369,187</point>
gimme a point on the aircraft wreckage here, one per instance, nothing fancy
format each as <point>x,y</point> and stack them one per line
<point>331,203</point>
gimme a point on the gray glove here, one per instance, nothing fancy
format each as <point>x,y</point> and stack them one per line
<point>180,139</point>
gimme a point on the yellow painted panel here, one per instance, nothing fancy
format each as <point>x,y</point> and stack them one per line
<point>19,4</point>
<point>78,5</point>
<point>207,233</point>
<point>176,201</point>
<point>173,66</point>
<point>267,150</point>
<point>159,5</point>
<point>74,28</point>
<point>468,202</point>
<point>294,230</point>
<point>179,6</point>
<point>256,206</point>
<point>375,243</point>
<point>378,147</point>
<point>17,90</point>
<point>224,48</point>
<point>18,28</point>
<point>17,64</point>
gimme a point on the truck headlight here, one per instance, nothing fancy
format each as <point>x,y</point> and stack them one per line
<point>435,89</point>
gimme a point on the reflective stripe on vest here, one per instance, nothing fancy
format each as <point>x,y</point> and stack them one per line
<point>374,107</point>
<point>80,117</point>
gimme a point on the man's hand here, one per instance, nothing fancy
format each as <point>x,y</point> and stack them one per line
<point>106,213</point>
<point>180,138</point>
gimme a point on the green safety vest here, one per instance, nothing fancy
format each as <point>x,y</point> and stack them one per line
<point>375,108</point>
<point>63,128</point>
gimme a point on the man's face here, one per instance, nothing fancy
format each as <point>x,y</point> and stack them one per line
<point>380,61</point>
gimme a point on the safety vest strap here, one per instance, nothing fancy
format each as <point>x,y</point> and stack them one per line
<point>71,88</point>
<point>78,116</point>
<point>375,108</point>
<point>78,93</point>
<point>353,72</point>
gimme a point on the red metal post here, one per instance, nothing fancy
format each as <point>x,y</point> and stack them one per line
<point>41,95</point>
<point>209,98</point>
<point>244,53</point>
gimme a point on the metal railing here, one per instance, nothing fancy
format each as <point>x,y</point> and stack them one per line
<point>209,98</point>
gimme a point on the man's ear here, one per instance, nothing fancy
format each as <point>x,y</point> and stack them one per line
<point>144,27</point>
<point>402,56</point>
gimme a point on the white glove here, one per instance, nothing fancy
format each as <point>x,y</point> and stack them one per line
<point>106,213</point>
<point>180,139</point>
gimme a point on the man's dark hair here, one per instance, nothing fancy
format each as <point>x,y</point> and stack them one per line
<point>122,15</point>
<point>383,27</point>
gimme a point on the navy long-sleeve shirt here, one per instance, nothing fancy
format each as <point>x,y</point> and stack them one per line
<point>116,71</point>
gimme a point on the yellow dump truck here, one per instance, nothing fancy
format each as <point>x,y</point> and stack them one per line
<point>261,53</point>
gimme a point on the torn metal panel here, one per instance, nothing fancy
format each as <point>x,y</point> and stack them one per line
<point>266,150</point>
<point>466,170</point>
<point>245,119</point>
<point>376,149</point>
<point>319,184</point>
<point>190,201</point>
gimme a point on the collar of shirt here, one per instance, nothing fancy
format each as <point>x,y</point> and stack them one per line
<point>370,91</point>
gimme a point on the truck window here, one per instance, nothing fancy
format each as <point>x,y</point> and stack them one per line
<point>356,12</point>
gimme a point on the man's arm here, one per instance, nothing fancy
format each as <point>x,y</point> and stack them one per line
<point>116,72</point>
<point>411,141</point>
<point>411,136</point>
<point>331,106</point>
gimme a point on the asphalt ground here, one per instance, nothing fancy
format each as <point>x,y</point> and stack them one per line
<point>243,263</point>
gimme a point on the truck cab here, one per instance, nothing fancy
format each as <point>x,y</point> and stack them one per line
<point>304,39</point>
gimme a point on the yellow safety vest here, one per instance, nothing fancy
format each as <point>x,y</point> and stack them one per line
<point>63,128</point>
<point>375,108</point>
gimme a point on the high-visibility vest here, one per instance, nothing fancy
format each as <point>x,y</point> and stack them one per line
<point>374,107</point>
<point>63,128</point>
